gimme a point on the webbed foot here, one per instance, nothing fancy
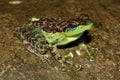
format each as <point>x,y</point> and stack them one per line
<point>85,47</point>
<point>64,60</point>
<point>77,67</point>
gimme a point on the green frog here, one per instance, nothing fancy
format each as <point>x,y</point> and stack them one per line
<point>45,34</point>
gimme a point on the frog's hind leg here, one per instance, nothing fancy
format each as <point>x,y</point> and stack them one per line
<point>43,57</point>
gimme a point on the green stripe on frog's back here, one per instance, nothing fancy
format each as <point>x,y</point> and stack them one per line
<point>68,39</point>
<point>79,30</point>
<point>59,38</point>
<point>53,37</point>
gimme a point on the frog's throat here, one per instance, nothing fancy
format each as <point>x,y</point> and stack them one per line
<point>80,29</point>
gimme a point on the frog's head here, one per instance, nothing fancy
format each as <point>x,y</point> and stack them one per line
<point>76,29</point>
<point>79,25</point>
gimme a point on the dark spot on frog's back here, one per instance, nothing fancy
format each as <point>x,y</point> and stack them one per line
<point>51,24</point>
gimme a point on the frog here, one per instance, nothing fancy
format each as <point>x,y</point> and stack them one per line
<point>45,34</point>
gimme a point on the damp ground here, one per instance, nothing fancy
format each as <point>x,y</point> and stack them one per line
<point>16,63</point>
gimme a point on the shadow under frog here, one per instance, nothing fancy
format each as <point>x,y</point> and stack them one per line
<point>85,38</point>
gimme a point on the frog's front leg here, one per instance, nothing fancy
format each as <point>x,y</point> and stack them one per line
<point>57,55</point>
<point>76,66</point>
<point>64,59</point>
<point>82,46</point>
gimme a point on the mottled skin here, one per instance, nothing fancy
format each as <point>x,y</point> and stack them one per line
<point>46,34</point>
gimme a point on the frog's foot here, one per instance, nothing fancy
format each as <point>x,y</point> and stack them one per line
<point>85,47</point>
<point>77,67</point>
<point>64,61</point>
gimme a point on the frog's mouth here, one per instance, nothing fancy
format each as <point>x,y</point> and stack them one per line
<point>79,29</point>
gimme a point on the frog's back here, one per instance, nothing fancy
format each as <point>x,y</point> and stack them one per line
<point>33,39</point>
<point>51,25</point>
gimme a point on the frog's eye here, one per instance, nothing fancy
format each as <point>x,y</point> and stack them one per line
<point>71,25</point>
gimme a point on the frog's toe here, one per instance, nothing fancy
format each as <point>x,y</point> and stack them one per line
<point>92,58</point>
<point>78,52</point>
<point>63,68</point>
<point>77,67</point>
<point>70,55</point>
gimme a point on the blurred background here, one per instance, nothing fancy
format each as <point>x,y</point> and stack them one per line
<point>16,63</point>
